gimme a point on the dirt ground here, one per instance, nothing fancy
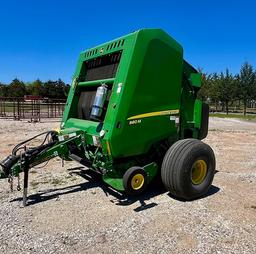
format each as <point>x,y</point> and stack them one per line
<point>72,211</point>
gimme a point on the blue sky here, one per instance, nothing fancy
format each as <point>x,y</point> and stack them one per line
<point>42,39</point>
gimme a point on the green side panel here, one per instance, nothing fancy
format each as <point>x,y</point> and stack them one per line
<point>115,182</point>
<point>195,79</point>
<point>190,117</point>
<point>87,126</point>
<point>198,113</point>
<point>153,84</point>
<point>151,170</point>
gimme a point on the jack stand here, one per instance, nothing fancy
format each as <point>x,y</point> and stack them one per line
<point>25,188</point>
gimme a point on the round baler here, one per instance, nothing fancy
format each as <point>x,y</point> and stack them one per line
<point>132,113</point>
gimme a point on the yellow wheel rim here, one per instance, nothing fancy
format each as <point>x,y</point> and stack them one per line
<point>198,172</point>
<point>137,181</point>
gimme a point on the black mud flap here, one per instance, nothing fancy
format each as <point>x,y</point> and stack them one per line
<point>204,121</point>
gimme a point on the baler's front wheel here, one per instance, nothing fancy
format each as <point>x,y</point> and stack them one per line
<point>188,169</point>
<point>135,181</point>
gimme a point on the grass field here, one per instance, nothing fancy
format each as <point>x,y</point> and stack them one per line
<point>238,116</point>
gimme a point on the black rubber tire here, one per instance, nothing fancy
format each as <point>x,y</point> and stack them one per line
<point>177,166</point>
<point>129,174</point>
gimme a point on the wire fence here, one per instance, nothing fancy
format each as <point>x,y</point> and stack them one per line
<point>32,109</point>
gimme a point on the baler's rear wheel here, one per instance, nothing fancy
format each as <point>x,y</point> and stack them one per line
<point>135,181</point>
<point>188,169</point>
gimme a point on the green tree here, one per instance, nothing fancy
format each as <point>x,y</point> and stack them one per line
<point>254,89</point>
<point>55,89</point>
<point>214,91</point>
<point>17,88</point>
<point>246,84</point>
<point>35,88</point>
<point>226,88</point>
<point>4,90</point>
<point>204,92</point>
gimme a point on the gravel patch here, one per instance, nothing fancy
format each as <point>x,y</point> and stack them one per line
<point>71,211</point>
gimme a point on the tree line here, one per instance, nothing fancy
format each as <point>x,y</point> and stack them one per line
<point>49,89</point>
<point>221,90</point>
<point>224,90</point>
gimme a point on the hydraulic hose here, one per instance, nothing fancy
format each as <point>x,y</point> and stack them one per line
<point>17,147</point>
<point>12,159</point>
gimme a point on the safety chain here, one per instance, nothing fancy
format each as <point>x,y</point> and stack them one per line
<point>18,185</point>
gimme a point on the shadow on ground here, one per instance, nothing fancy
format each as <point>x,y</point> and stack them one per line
<point>94,180</point>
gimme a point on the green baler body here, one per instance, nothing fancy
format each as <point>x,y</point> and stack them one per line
<point>146,93</point>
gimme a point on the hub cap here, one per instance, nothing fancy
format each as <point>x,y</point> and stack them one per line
<point>137,181</point>
<point>198,172</point>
